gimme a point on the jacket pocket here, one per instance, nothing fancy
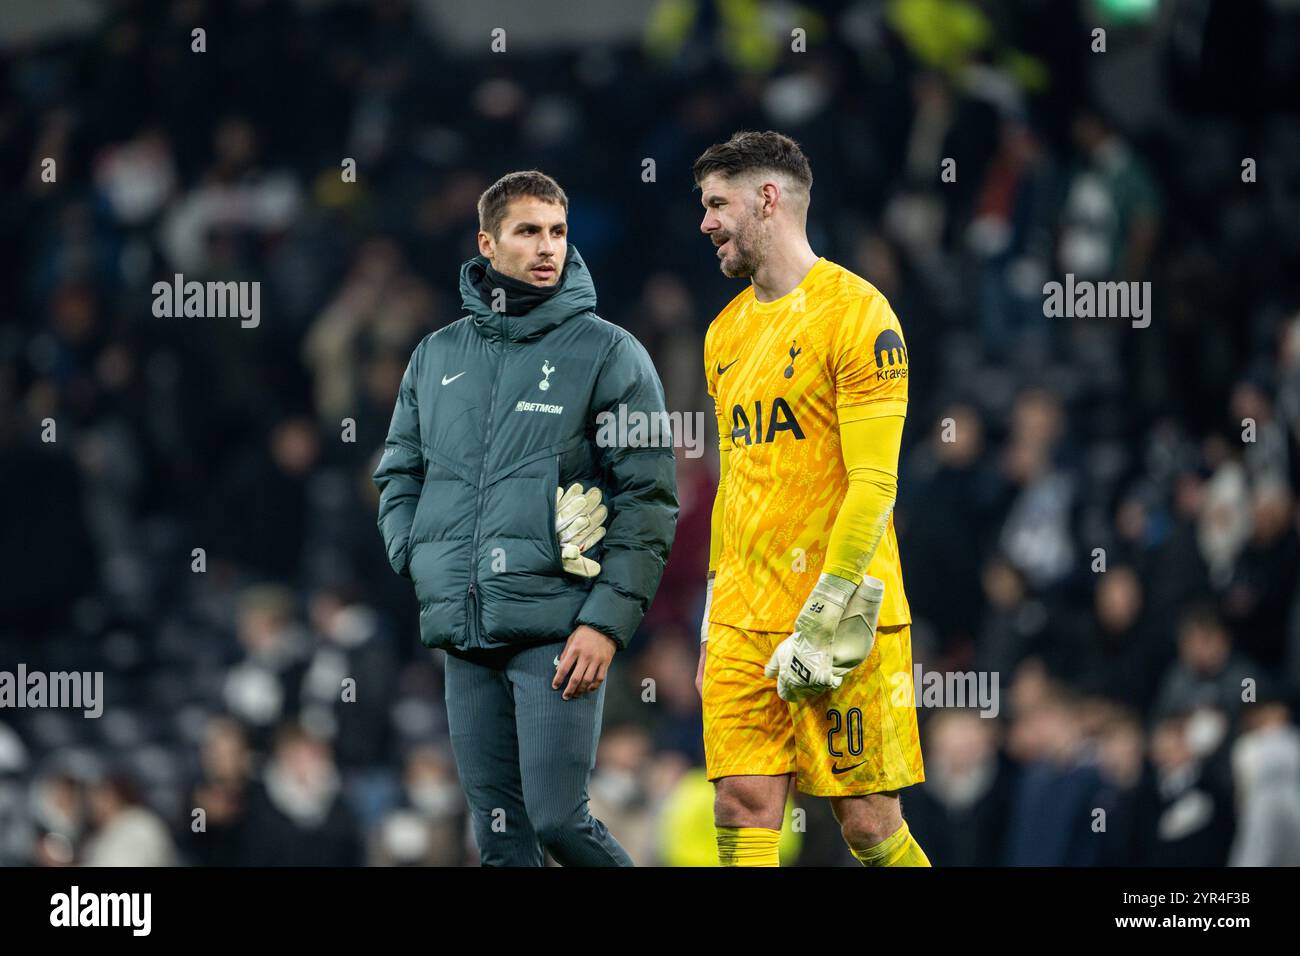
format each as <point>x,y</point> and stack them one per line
<point>557,560</point>
<point>415,521</point>
<point>402,563</point>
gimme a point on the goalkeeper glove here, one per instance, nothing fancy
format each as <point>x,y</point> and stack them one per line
<point>579,524</point>
<point>833,634</point>
<point>857,628</point>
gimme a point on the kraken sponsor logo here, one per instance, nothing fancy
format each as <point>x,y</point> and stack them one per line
<point>891,356</point>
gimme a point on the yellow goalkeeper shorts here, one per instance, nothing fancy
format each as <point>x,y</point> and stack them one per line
<point>859,739</point>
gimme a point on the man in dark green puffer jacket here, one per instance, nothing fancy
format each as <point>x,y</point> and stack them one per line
<point>495,412</point>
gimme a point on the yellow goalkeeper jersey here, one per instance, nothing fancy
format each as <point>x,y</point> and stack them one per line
<point>782,375</point>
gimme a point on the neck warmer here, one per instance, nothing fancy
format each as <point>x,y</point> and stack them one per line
<point>521,297</point>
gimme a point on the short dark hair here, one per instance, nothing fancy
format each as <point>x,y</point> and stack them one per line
<point>748,151</point>
<point>496,198</point>
<point>1203,615</point>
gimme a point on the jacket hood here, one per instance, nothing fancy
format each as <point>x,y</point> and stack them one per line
<point>576,295</point>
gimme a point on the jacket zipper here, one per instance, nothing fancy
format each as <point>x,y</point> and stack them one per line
<point>482,474</point>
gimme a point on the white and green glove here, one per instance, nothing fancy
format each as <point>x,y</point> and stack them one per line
<point>833,634</point>
<point>579,524</point>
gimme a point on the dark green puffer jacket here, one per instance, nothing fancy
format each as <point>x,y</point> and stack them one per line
<point>481,436</point>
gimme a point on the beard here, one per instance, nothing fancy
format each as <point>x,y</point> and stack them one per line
<point>747,253</point>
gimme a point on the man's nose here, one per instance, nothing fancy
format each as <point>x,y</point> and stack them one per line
<point>709,224</point>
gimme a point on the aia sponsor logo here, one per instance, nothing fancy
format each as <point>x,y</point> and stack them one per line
<point>766,423</point>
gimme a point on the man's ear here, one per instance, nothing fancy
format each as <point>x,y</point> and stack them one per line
<point>486,247</point>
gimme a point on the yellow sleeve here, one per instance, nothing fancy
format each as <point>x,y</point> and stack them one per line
<point>869,366</point>
<point>869,361</point>
<point>870,447</point>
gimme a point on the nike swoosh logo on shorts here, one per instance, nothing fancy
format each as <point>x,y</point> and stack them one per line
<point>838,770</point>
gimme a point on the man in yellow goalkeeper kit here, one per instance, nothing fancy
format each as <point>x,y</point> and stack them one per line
<point>805,654</point>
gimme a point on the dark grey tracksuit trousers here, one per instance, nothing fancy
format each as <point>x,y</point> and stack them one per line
<point>525,755</point>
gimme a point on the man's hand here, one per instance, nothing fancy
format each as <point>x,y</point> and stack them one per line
<point>585,659</point>
<point>579,524</point>
<point>833,634</point>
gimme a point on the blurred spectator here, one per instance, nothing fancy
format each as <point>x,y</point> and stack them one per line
<point>1208,671</point>
<point>951,487</point>
<point>224,791</point>
<point>347,688</point>
<point>1037,536</point>
<point>430,825</point>
<point>59,818</point>
<point>1054,808</point>
<point>1121,755</point>
<point>1014,622</point>
<point>126,832</point>
<point>1225,513</point>
<point>298,817</point>
<point>1266,766</point>
<point>629,787</point>
<point>1010,232</point>
<point>1111,214</point>
<point>1262,586</point>
<point>259,506</point>
<point>961,814</point>
<point>263,685</point>
<point>620,789</point>
<point>1184,819</point>
<point>1122,650</point>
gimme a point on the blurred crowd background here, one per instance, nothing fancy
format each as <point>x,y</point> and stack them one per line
<point>1160,691</point>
